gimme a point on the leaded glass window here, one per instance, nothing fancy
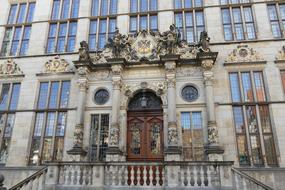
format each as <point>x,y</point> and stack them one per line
<point>253,127</point>
<point>179,4</point>
<point>238,23</point>
<point>9,97</point>
<point>101,96</point>
<point>192,136</point>
<point>17,34</point>
<point>99,135</point>
<point>50,122</point>
<point>276,13</point>
<point>63,26</point>
<point>190,22</point>
<point>189,93</point>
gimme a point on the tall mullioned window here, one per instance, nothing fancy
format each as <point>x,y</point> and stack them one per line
<point>50,122</point>
<point>253,127</point>
<point>8,105</point>
<point>189,19</point>
<point>276,14</point>
<point>143,15</point>
<point>103,22</point>
<point>238,20</point>
<point>192,136</point>
<point>99,137</point>
<point>18,29</point>
<point>63,26</point>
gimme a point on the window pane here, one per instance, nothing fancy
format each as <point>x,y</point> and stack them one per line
<point>251,119</point>
<point>198,142</point>
<point>199,19</point>
<point>276,31</point>
<point>272,12</point>
<point>4,96</point>
<point>35,150</point>
<point>237,15</point>
<point>92,36</point>
<point>22,13</point>
<point>113,6</point>
<point>239,32</point>
<point>61,124</point>
<point>270,150</point>
<point>143,23</point>
<point>31,11</point>
<point>112,26</point>
<point>71,36</point>
<point>58,149</point>
<point>39,124</point>
<point>94,137</point>
<point>187,3</point>
<point>179,19</point>
<point>101,41</point>
<point>190,35</point>
<point>104,134</point>
<point>65,9</point>
<point>133,24</point>
<point>43,95</point>
<point>53,98</point>
<point>239,120</point>
<point>16,39</point>
<point>134,6</point>
<point>265,119</point>
<point>95,7</point>
<point>250,31</point>
<point>75,9</point>
<point>189,19</point>
<point>9,126</point>
<point>259,86</point>
<point>65,88</point>
<point>104,7</point>
<point>2,121</point>
<point>153,23</point>
<point>25,41</point>
<point>12,14</point>
<point>235,89</point>
<point>51,38</point>
<point>186,130</point>
<point>55,10</point>
<point>198,3</point>
<point>242,150</point>
<point>5,150</point>
<point>178,4</point>
<point>282,11</point>
<point>61,37</point>
<point>248,14</point>
<point>143,5</point>
<point>153,5</point>
<point>256,150</point>
<point>6,41</point>
<point>103,26</point>
<point>228,32</point>
<point>15,96</point>
<point>226,16</point>
<point>50,125</point>
<point>47,150</point>
<point>247,89</point>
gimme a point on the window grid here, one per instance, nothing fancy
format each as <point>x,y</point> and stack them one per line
<point>276,13</point>
<point>9,97</point>
<point>50,122</point>
<point>225,2</point>
<point>186,4</point>
<point>18,25</point>
<point>238,22</point>
<point>255,143</point>
<point>143,15</point>
<point>63,26</point>
<point>192,135</point>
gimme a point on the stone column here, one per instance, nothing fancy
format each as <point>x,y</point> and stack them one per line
<point>114,153</point>
<point>77,149</point>
<point>173,152</point>
<point>213,150</point>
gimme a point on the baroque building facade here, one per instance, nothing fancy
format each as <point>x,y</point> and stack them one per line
<point>168,91</point>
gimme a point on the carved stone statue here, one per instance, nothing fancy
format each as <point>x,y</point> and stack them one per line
<point>171,39</point>
<point>204,42</point>
<point>117,43</point>
<point>84,51</point>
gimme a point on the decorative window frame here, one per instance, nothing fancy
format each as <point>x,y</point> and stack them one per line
<point>190,84</point>
<point>96,90</point>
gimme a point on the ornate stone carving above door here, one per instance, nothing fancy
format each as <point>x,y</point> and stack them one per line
<point>10,68</point>
<point>57,65</point>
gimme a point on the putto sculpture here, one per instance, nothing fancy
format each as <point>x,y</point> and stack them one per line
<point>171,39</point>
<point>117,43</point>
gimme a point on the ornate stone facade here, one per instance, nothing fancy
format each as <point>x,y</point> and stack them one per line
<point>9,68</point>
<point>57,65</point>
<point>243,53</point>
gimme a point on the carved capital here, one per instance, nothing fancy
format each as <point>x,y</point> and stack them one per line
<point>83,84</point>
<point>114,134</point>
<point>170,67</point>
<point>83,71</point>
<point>117,69</point>
<point>172,134</point>
<point>207,64</point>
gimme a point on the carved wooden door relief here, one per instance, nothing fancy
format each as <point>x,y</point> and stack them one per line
<point>145,136</point>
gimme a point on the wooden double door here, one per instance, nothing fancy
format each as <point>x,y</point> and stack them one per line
<point>145,136</point>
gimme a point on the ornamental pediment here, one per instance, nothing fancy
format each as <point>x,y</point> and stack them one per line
<point>281,55</point>
<point>147,46</point>
<point>10,68</point>
<point>57,65</point>
<point>244,54</point>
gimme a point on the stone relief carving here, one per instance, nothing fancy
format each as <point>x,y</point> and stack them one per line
<point>207,64</point>
<point>57,65</point>
<point>78,135</point>
<point>189,71</point>
<point>213,137</point>
<point>146,46</point>
<point>243,54</point>
<point>281,54</point>
<point>9,68</point>
<point>101,74</point>
<point>172,134</point>
<point>114,134</point>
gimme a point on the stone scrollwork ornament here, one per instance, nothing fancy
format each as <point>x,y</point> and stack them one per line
<point>243,54</point>
<point>57,65</point>
<point>207,64</point>
<point>9,67</point>
<point>172,134</point>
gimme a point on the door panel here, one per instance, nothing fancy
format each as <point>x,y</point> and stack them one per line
<point>145,136</point>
